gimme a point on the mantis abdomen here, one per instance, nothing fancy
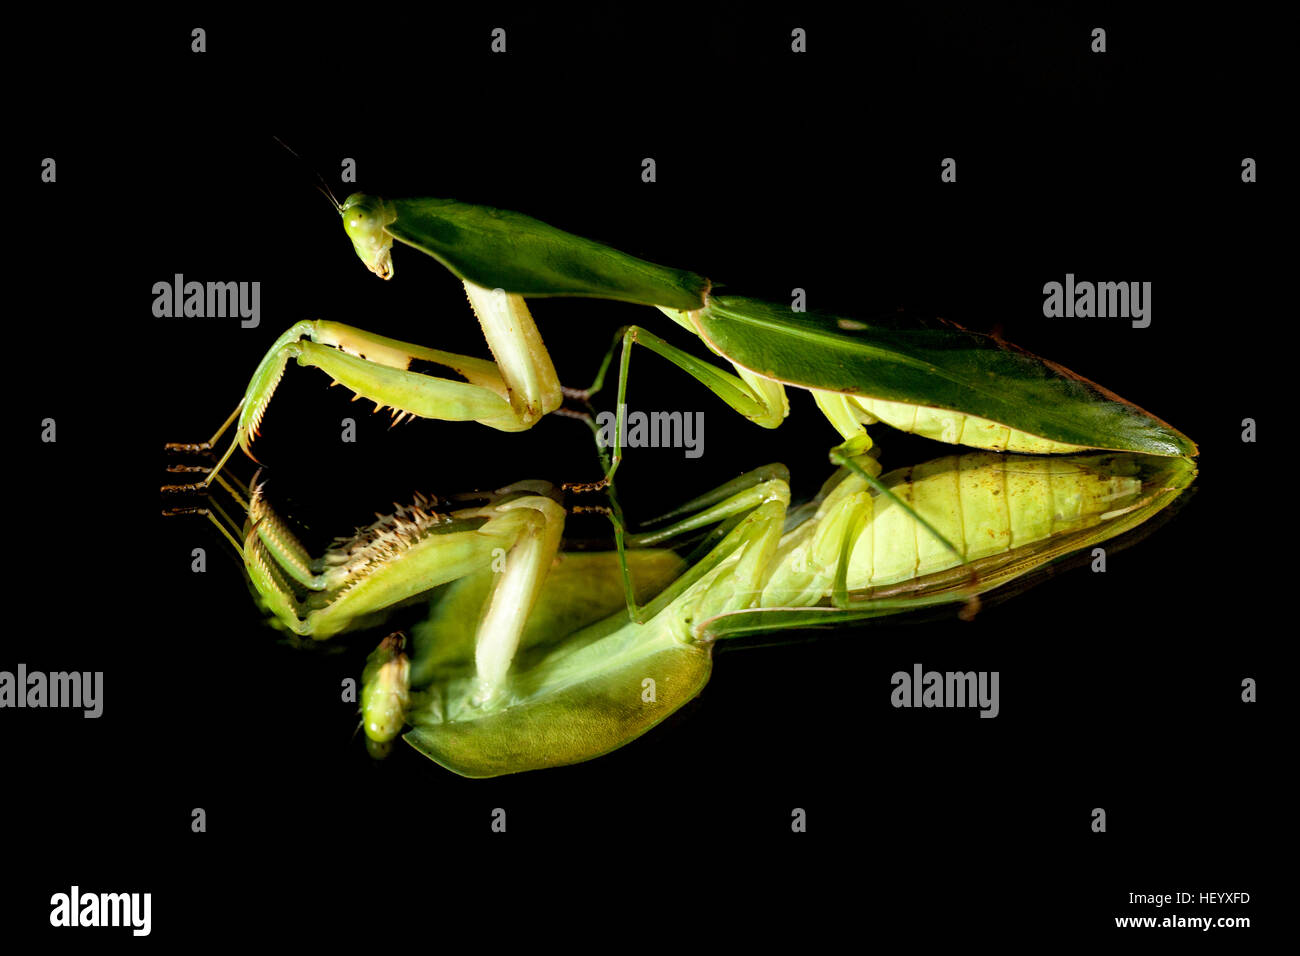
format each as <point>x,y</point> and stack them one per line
<point>957,428</point>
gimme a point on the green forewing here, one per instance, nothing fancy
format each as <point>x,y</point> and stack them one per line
<point>936,365</point>
<point>500,249</point>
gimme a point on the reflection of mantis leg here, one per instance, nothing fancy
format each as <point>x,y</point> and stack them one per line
<point>510,394</point>
<point>729,576</point>
<point>724,507</point>
<point>403,555</point>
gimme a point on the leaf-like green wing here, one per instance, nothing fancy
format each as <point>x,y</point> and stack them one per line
<point>936,365</point>
<point>500,249</point>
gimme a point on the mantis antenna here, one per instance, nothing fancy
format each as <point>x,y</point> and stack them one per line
<point>320,180</point>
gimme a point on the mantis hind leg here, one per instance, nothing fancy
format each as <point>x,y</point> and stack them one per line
<point>761,400</point>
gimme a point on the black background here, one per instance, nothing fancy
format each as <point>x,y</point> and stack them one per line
<point>819,171</point>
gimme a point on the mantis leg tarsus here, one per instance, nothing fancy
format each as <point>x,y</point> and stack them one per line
<point>189,469</point>
<point>195,448</point>
<point>207,513</point>
<point>586,487</point>
<point>200,448</point>
<point>187,448</point>
<point>201,486</point>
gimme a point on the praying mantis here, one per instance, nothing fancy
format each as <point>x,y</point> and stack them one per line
<point>553,669</point>
<point>932,379</point>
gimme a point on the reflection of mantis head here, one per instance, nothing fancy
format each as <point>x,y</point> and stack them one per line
<point>364,218</point>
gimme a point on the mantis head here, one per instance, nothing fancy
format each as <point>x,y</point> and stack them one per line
<point>364,219</point>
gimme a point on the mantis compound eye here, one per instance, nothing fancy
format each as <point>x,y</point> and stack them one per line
<point>364,218</point>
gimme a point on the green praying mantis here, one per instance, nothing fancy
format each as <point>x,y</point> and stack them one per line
<point>530,657</point>
<point>932,379</point>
